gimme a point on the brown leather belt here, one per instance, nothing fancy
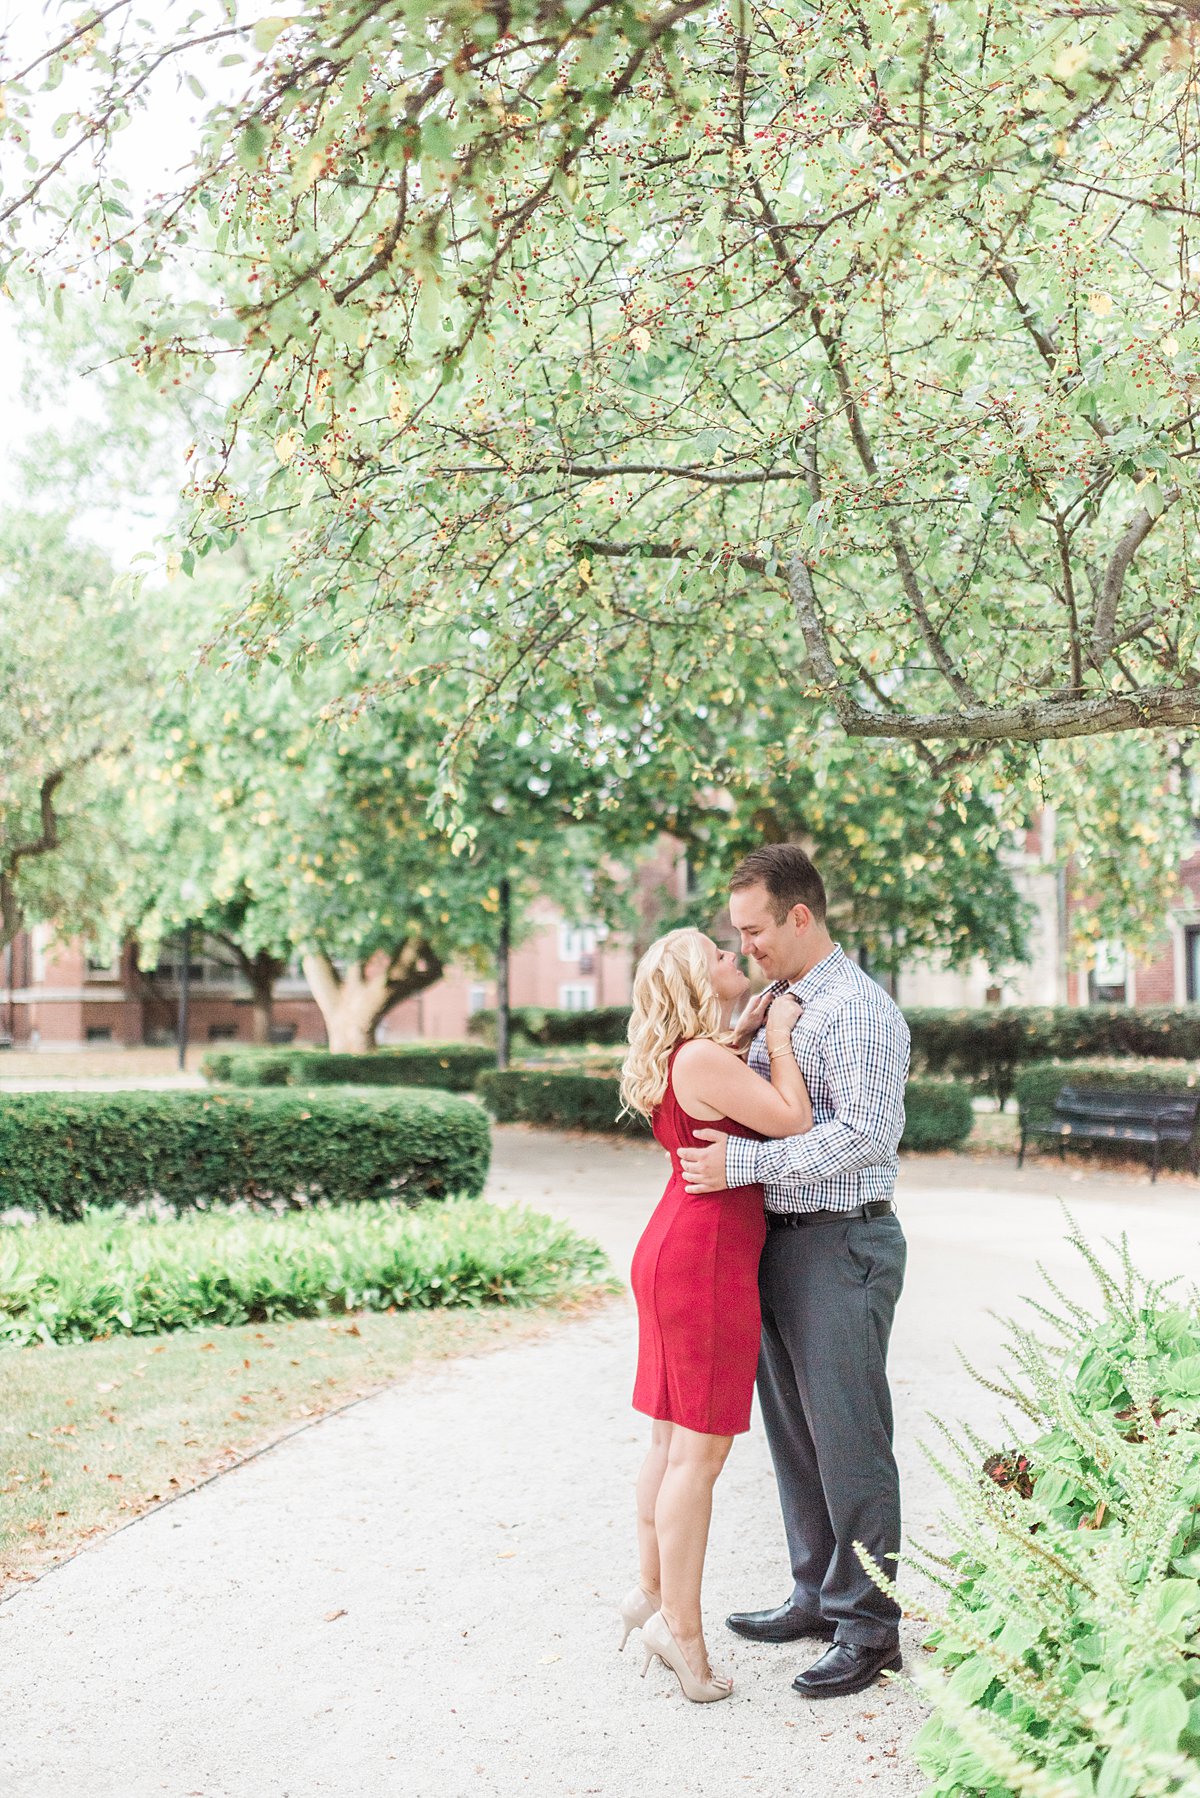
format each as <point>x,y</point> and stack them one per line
<point>797,1220</point>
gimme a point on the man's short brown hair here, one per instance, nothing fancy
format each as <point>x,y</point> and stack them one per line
<point>788,875</point>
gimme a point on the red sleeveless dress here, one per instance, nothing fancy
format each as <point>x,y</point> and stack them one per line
<point>695,1279</point>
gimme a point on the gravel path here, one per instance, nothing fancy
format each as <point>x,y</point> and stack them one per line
<point>417,1596</point>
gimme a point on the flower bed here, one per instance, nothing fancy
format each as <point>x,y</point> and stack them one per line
<point>113,1274</point>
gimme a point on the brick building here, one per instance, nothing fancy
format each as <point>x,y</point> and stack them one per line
<point>54,996</point>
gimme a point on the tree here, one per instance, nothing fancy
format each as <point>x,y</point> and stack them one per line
<point>71,670</point>
<point>860,330</point>
<point>284,825</point>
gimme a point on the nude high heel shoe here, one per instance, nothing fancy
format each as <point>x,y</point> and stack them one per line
<point>661,1645</point>
<point>637,1608</point>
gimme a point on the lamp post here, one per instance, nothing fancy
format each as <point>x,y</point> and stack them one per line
<point>185,972</point>
<point>503,942</point>
<point>187,893</point>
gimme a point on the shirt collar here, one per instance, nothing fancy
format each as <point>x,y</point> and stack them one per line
<point>819,976</point>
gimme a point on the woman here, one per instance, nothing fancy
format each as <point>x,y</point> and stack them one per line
<point>695,1275</point>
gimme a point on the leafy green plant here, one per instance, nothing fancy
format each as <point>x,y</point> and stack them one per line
<point>1065,1662</point>
<point>113,1274</point>
<point>60,1152</point>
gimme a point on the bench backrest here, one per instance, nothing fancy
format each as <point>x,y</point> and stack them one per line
<point>1173,1113</point>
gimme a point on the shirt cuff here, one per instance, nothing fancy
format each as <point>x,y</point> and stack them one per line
<point>741,1154</point>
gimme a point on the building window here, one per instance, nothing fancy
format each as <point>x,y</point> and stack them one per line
<point>575,941</point>
<point>99,968</point>
<point>477,999</point>
<point>577,996</point>
<point>1107,976</point>
<point>99,1033</point>
<point>222,1033</point>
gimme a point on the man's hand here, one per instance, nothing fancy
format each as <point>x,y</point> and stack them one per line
<point>704,1169</point>
<point>752,1020</point>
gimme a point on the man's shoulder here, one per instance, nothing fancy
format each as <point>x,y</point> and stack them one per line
<point>852,992</point>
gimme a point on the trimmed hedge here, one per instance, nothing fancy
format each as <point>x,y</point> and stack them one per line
<point>557,1101</point>
<point>1039,1085</point>
<point>606,1024</point>
<point>988,1045</point>
<point>60,1152</point>
<point>451,1066</point>
<point>983,1045</point>
<point>937,1112</point>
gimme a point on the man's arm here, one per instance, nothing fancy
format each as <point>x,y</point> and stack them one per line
<point>866,1054</point>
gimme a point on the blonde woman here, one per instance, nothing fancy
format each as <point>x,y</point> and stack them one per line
<point>695,1275</point>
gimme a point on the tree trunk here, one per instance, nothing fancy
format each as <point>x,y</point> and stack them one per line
<point>262,974</point>
<point>356,997</point>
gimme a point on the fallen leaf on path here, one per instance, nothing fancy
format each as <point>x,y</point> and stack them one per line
<point>332,1616</point>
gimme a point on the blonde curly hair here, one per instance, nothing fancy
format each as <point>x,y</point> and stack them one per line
<point>673,1001</point>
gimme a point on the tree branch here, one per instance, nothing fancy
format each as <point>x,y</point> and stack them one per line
<point>1104,625</point>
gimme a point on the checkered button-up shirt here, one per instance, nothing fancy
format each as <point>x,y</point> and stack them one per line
<point>852,1045</point>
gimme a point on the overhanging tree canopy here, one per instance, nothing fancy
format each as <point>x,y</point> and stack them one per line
<point>857,339</point>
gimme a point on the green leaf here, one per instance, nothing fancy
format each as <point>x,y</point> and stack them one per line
<point>1160,1717</point>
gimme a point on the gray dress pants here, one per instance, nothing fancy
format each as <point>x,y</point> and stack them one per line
<point>829,1294</point>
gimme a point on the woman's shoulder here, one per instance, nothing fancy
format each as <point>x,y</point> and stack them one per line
<point>694,1051</point>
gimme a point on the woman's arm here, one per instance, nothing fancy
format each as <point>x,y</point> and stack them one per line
<point>711,1081</point>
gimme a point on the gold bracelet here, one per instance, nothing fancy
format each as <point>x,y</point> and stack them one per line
<point>781,1049</point>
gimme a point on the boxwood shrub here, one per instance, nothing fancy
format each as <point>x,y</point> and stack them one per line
<point>604,1024</point>
<point>988,1045</point>
<point>451,1066</point>
<point>983,1045</point>
<point>560,1101</point>
<point>938,1112</point>
<point>62,1151</point>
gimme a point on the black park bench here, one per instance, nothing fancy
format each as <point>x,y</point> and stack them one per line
<point>1115,1114</point>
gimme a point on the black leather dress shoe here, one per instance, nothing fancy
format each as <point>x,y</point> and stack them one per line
<point>847,1667</point>
<point>784,1624</point>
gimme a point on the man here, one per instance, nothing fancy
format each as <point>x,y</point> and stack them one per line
<point>830,1276</point>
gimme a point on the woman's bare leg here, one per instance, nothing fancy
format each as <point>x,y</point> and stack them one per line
<point>648,1483</point>
<point>681,1519</point>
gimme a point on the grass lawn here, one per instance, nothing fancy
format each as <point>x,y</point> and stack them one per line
<point>92,1434</point>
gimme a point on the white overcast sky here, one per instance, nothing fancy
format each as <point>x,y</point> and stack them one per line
<point>148,155</point>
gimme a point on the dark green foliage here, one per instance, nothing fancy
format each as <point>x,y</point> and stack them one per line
<point>113,1274</point>
<point>986,1046</point>
<point>937,1114</point>
<point>451,1066</point>
<point>559,1101</point>
<point>60,1152</point>
<point>606,1024</point>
